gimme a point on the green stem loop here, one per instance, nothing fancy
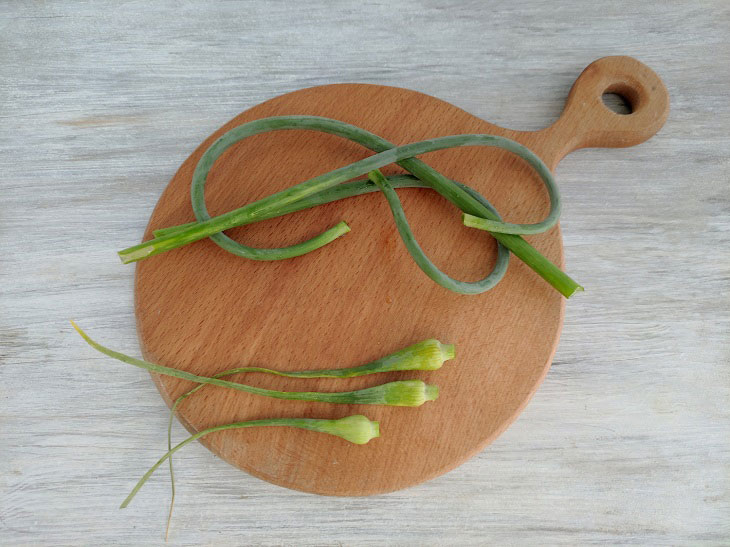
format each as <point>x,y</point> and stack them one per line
<point>386,153</point>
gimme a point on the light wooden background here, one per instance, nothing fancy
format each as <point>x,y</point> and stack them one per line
<point>628,439</point>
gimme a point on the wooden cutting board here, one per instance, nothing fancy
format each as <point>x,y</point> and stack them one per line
<point>203,310</point>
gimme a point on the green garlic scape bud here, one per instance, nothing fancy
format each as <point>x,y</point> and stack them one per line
<point>410,393</point>
<point>401,393</point>
<point>425,355</point>
<point>356,429</point>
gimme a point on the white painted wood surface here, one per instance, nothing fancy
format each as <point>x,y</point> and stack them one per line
<point>628,439</point>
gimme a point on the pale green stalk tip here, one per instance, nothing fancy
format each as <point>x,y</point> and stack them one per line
<point>78,329</point>
<point>448,351</point>
<point>578,288</point>
<point>133,254</point>
<point>469,220</point>
<point>432,392</point>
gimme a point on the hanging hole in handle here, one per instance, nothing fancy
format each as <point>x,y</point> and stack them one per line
<point>621,98</point>
<point>588,122</point>
<point>617,103</point>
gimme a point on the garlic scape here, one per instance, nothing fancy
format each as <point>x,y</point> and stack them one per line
<point>429,354</point>
<point>356,429</point>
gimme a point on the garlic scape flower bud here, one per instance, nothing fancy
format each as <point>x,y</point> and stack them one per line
<point>357,428</point>
<point>400,393</point>
<point>425,355</point>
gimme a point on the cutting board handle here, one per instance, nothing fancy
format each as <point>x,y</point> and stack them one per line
<point>587,122</point>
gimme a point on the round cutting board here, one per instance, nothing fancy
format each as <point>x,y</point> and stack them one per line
<point>204,310</point>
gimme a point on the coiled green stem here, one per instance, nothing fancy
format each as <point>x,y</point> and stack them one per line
<point>281,202</point>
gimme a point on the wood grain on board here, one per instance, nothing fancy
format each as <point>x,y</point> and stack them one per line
<point>203,310</point>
